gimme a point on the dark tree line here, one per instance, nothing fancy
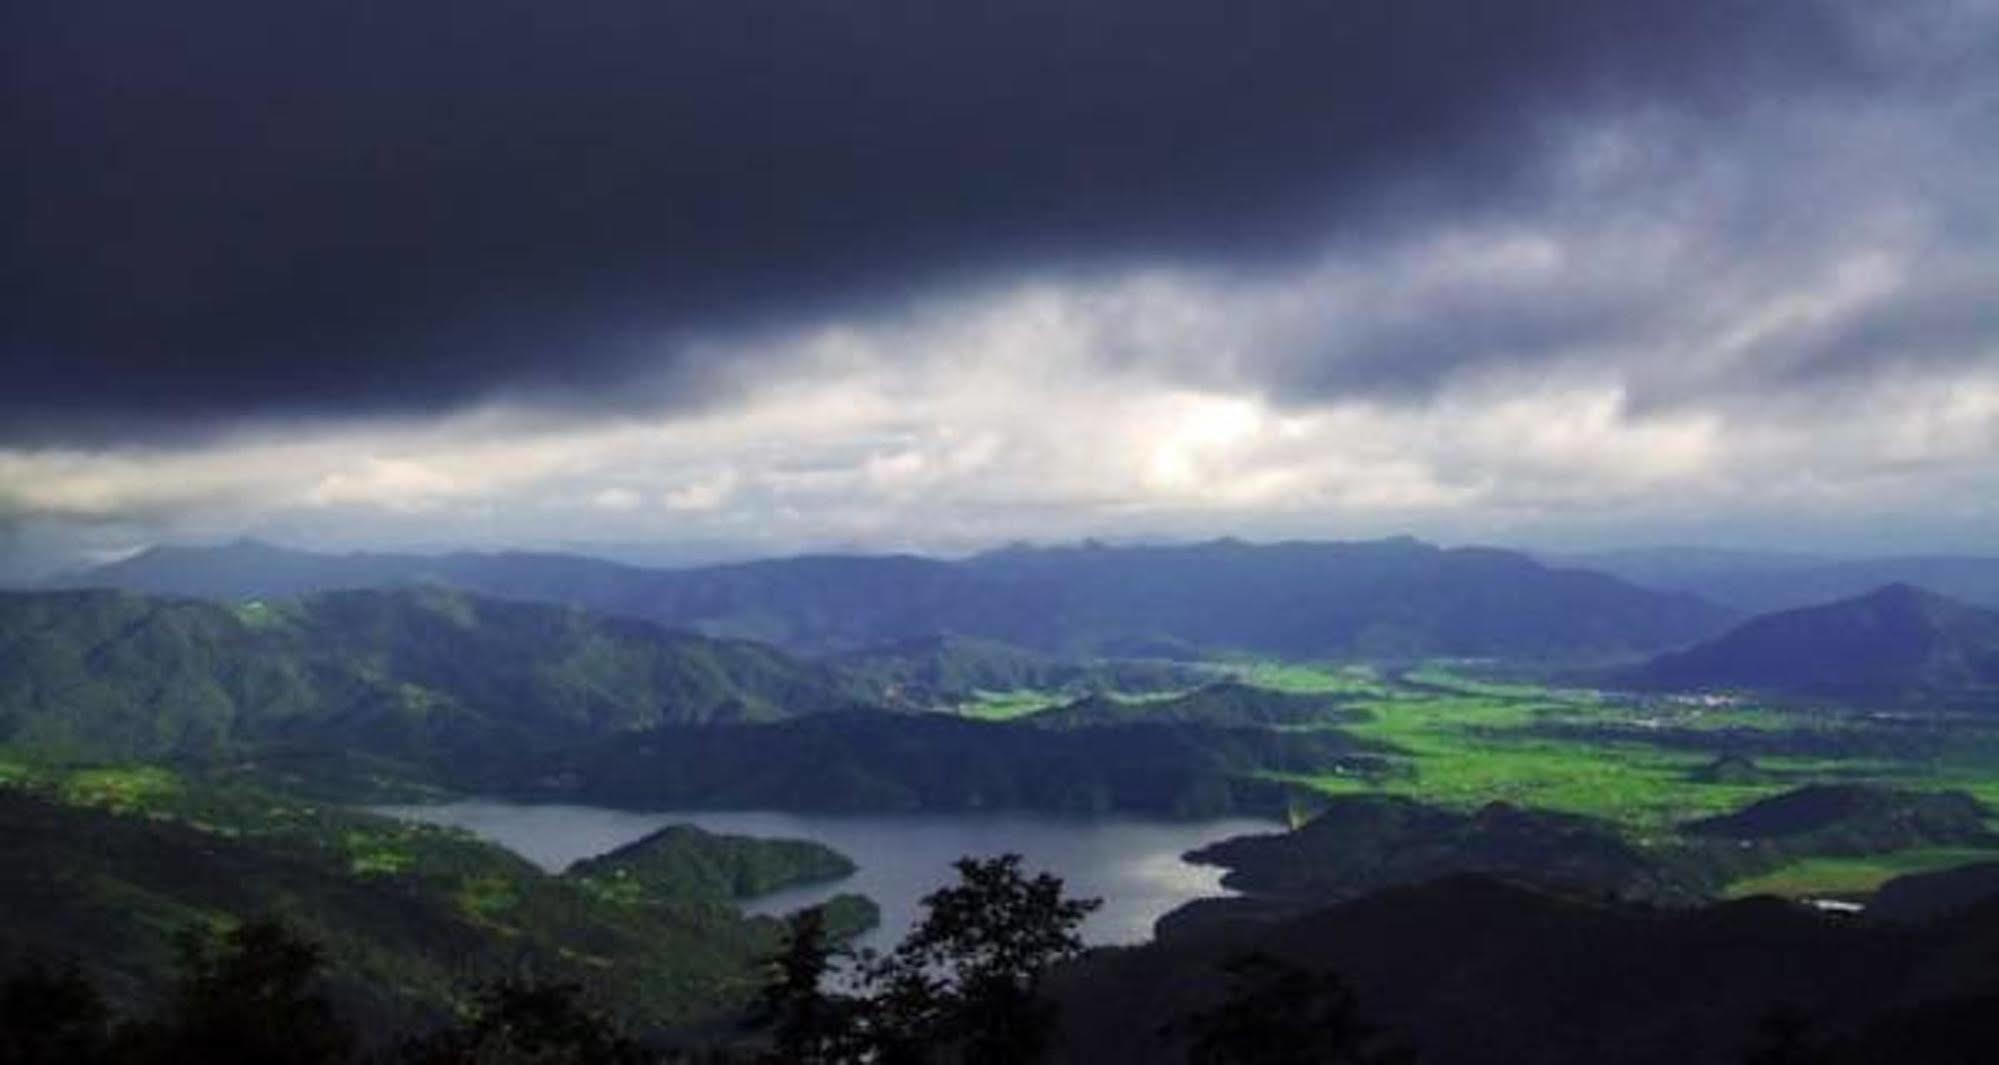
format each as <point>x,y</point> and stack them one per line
<point>249,995</point>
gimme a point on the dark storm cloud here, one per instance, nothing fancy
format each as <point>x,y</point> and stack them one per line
<point>235,208</point>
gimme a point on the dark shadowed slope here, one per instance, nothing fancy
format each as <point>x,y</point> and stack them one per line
<point>1471,970</point>
<point>876,762</point>
<point>1894,643</point>
<point>1395,598</point>
<point>1854,819</point>
<point>1361,843</point>
<point>1927,896</point>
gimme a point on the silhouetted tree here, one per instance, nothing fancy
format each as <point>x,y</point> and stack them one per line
<point>51,1016</point>
<point>1783,1037</point>
<point>522,1023</point>
<point>808,1025</point>
<point>966,982</point>
<point>249,996</point>
<point>1278,1013</point>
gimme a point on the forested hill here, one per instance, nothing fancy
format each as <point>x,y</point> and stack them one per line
<point>429,675</point>
<point>1384,598</point>
<point>1894,643</point>
<point>942,670</point>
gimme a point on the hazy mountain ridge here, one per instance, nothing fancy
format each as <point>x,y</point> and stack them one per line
<point>1763,581</point>
<point>1897,642</point>
<point>1396,598</point>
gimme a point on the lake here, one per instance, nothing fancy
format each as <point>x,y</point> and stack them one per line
<point>1133,864</point>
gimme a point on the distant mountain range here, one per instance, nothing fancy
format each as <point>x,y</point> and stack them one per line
<point>1897,642</point>
<point>1761,581</point>
<point>1397,598</point>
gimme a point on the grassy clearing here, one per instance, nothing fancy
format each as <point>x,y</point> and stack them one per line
<point>1461,751</point>
<point>376,852</point>
<point>1855,876</point>
<point>1309,678</point>
<point>257,614</point>
<point>124,789</point>
<point>14,773</point>
<point>1440,675</point>
<point>486,897</point>
<point>1007,705</point>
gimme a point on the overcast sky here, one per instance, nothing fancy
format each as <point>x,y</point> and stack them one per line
<point>760,275</point>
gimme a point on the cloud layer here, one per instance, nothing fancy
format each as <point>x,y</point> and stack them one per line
<point>937,275</point>
<point>237,207</point>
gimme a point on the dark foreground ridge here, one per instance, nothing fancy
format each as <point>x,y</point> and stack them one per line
<point>1477,970</point>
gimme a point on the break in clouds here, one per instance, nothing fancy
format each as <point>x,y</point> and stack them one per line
<point>892,275</point>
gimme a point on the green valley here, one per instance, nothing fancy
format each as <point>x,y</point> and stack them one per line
<point>173,763</point>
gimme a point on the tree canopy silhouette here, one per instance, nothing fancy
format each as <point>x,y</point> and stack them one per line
<point>1278,1013</point>
<point>251,995</point>
<point>967,980</point>
<point>963,986</point>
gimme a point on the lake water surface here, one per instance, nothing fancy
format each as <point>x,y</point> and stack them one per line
<point>1133,864</point>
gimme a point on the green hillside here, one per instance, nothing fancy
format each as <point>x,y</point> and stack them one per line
<point>938,671</point>
<point>108,866</point>
<point>428,675</point>
<point>685,862</point>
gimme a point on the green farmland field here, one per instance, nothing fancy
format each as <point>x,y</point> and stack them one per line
<point>1639,763</point>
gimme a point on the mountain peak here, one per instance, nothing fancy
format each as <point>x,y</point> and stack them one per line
<point>1899,593</point>
<point>1897,641</point>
